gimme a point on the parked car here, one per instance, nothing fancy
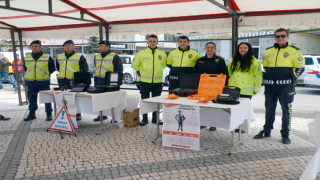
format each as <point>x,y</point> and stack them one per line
<point>165,76</point>
<point>312,77</point>
<point>311,60</point>
<point>129,74</point>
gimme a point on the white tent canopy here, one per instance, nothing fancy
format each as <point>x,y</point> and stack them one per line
<point>62,18</point>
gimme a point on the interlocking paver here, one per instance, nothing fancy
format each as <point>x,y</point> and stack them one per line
<point>127,153</point>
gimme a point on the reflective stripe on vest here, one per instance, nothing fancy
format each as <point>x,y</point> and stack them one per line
<point>37,70</point>
<point>68,66</point>
<point>104,65</point>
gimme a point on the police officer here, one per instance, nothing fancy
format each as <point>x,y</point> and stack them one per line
<point>38,67</point>
<point>283,64</point>
<point>68,63</point>
<point>181,60</point>
<point>106,61</point>
<point>149,64</point>
<point>211,64</point>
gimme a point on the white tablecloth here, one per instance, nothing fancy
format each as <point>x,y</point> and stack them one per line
<point>93,103</point>
<point>211,114</point>
<point>313,167</point>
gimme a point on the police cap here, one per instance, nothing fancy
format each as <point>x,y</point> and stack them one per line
<point>107,43</point>
<point>35,42</point>
<point>68,42</point>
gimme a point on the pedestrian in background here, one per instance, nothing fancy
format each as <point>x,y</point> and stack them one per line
<point>20,69</point>
<point>4,71</point>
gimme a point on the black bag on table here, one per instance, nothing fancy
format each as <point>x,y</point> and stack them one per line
<point>230,95</point>
<point>188,85</point>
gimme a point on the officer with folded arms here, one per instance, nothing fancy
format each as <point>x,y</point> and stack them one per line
<point>67,64</point>
<point>106,61</point>
<point>38,67</point>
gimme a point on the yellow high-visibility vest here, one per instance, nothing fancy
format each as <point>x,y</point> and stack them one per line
<point>68,66</point>
<point>37,69</point>
<point>104,65</point>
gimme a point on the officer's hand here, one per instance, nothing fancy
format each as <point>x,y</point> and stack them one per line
<point>138,72</point>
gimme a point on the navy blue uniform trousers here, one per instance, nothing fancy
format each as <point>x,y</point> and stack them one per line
<point>33,90</point>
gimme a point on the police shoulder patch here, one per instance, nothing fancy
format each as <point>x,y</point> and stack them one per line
<point>295,47</point>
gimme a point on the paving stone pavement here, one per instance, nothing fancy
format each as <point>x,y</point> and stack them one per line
<point>27,151</point>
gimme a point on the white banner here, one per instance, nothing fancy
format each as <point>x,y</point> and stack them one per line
<point>68,100</point>
<point>181,126</point>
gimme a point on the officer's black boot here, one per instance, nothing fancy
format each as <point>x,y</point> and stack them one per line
<point>262,134</point>
<point>286,140</point>
<point>154,119</point>
<point>49,116</point>
<point>78,117</point>
<point>285,137</point>
<point>31,116</point>
<point>144,120</point>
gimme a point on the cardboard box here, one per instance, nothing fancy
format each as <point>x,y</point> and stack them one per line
<point>131,119</point>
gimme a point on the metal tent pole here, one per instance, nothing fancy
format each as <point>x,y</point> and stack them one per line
<point>16,65</point>
<point>22,59</point>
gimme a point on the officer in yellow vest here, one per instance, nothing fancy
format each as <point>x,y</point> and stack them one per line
<point>38,67</point>
<point>149,64</point>
<point>283,64</point>
<point>181,60</point>
<point>68,63</point>
<point>106,61</point>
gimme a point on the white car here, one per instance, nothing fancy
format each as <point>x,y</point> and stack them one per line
<point>312,78</point>
<point>129,74</point>
<point>310,62</point>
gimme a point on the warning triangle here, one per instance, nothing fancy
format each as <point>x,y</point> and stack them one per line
<point>62,122</point>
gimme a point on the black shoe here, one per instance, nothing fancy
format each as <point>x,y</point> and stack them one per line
<point>212,128</point>
<point>261,135</point>
<point>31,116</point>
<point>78,117</point>
<point>98,118</point>
<point>286,140</point>
<point>144,122</point>
<point>2,118</point>
<point>237,131</point>
<point>201,127</point>
<point>49,117</point>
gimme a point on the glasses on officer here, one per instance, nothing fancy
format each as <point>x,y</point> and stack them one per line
<point>282,36</point>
